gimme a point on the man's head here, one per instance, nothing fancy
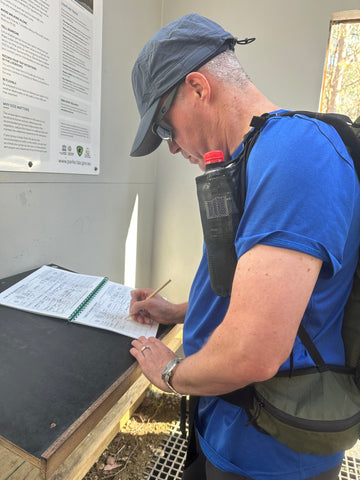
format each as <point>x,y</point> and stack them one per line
<point>176,50</point>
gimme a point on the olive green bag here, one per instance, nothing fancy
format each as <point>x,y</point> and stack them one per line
<point>313,410</point>
<point>316,410</point>
<point>315,413</point>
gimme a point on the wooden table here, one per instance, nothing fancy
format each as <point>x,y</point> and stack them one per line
<point>65,390</point>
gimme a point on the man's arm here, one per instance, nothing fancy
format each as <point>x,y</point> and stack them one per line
<point>271,289</point>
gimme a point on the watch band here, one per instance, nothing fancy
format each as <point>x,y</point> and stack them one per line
<point>168,372</point>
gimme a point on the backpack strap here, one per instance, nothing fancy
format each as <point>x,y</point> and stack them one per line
<point>346,129</point>
<point>311,348</point>
<point>349,131</point>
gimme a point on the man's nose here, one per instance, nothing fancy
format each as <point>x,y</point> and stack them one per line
<point>173,147</point>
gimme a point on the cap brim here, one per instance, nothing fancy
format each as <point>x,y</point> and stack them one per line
<point>146,141</point>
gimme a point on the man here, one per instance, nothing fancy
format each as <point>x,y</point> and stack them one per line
<point>296,244</point>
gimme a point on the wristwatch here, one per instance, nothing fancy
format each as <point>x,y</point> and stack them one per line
<point>168,372</point>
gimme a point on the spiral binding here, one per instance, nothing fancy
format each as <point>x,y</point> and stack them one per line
<point>87,299</point>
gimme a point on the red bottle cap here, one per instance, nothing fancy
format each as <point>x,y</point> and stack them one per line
<point>213,157</point>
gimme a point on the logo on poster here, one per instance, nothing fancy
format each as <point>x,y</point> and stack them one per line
<point>79,150</point>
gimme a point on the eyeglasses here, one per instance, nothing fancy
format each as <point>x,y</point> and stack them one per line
<point>160,127</point>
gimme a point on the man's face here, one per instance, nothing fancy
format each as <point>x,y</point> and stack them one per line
<point>188,133</point>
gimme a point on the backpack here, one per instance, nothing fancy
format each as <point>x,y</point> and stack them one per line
<point>312,410</point>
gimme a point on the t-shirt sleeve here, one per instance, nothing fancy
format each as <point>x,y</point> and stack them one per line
<point>300,191</point>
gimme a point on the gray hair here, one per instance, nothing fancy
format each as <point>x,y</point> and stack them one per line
<point>226,68</point>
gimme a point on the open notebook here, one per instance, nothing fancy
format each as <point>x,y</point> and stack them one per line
<point>85,299</point>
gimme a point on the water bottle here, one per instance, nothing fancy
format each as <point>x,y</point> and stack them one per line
<point>220,216</point>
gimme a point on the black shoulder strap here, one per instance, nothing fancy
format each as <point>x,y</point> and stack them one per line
<point>349,131</point>
<point>310,347</point>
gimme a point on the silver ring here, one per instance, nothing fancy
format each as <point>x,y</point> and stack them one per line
<point>144,348</point>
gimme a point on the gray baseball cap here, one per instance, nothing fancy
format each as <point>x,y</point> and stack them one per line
<point>172,53</point>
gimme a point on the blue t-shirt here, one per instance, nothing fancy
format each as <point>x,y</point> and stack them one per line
<point>302,194</point>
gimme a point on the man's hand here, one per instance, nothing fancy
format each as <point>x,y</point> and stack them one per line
<point>157,309</point>
<point>152,356</point>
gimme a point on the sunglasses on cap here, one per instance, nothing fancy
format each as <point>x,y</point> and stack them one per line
<point>160,127</point>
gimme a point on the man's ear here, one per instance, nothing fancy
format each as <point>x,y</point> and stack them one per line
<point>199,85</point>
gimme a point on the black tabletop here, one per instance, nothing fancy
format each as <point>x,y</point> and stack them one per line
<point>51,372</point>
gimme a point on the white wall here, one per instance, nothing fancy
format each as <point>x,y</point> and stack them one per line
<point>286,62</point>
<point>80,221</point>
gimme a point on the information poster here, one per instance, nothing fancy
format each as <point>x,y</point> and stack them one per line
<point>50,85</point>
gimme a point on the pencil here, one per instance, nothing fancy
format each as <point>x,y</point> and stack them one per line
<point>155,292</point>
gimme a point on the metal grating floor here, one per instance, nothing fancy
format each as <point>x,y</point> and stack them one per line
<point>169,464</point>
<point>350,469</point>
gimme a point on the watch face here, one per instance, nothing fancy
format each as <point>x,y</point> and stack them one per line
<point>167,373</point>
<point>168,369</point>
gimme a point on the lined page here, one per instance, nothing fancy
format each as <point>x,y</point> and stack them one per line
<point>50,291</point>
<point>108,310</point>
